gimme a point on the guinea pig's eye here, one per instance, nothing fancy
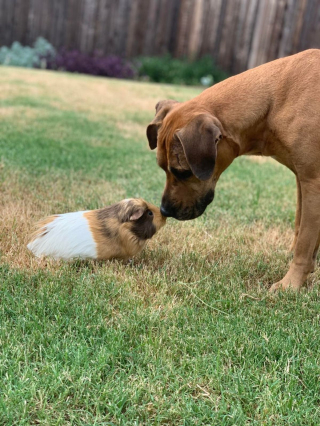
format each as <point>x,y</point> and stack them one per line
<point>150,213</point>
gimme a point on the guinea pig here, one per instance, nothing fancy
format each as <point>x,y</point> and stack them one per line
<point>117,231</point>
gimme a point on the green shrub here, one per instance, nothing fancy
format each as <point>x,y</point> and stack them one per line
<point>166,69</point>
<point>25,56</point>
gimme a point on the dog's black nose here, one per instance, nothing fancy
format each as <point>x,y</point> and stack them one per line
<point>165,211</point>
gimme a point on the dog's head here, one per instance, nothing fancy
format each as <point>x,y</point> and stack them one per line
<point>186,139</point>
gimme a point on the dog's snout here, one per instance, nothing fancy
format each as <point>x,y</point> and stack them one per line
<point>165,211</point>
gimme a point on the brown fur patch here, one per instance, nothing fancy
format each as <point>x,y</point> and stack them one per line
<point>108,246</point>
<point>115,234</point>
<point>40,227</point>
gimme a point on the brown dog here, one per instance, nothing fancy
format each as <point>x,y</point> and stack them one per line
<point>272,110</point>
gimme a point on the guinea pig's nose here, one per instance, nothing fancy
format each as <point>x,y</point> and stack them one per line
<point>166,211</point>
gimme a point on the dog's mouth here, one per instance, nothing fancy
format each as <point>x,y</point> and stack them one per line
<point>181,212</point>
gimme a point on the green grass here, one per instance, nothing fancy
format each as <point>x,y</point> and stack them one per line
<point>187,333</point>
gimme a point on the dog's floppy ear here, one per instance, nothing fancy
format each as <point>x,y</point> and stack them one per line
<point>162,109</point>
<point>199,139</point>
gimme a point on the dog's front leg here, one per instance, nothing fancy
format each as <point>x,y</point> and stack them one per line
<point>298,216</point>
<point>307,242</point>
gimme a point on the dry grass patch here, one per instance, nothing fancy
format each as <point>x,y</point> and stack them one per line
<point>186,255</point>
<point>22,205</point>
<point>128,128</point>
<point>184,251</point>
<point>23,113</point>
<point>94,96</point>
<point>263,160</point>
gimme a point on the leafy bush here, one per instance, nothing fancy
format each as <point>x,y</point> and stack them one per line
<point>166,69</point>
<point>158,69</point>
<point>75,61</point>
<point>25,56</point>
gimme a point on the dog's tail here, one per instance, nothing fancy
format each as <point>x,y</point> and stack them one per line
<point>65,236</point>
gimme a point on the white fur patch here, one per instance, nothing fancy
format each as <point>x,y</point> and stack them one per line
<point>66,237</point>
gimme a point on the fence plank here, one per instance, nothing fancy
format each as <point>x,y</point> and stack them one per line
<point>285,42</point>
<point>276,30</point>
<point>173,36</point>
<point>20,22</point>
<point>164,26</point>
<point>197,29</point>
<point>243,38</point>
<point>8,14</point>
<point>217,41</point>
<point>72,24</point>
<point>184,27</point>
<point>310,27</point>
<point>213,19</point>
<point>228,33</point>
<point>122,22</point>
<point>258,28</point>
<point>314,41</point>
<point>131,27</point>
<point>139,30</point>
<point>150,25</point>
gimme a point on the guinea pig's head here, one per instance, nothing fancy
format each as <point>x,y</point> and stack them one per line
<point>144,218</point>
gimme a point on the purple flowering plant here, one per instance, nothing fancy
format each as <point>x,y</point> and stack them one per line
<point>75,61</point>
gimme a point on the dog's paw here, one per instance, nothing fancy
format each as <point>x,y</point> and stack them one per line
<point>276,287</point>
<point>284,285</point>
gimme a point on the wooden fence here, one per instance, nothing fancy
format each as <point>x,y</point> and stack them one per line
<point>239,34</point>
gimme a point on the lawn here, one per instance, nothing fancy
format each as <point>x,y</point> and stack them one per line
<point>187,333</point>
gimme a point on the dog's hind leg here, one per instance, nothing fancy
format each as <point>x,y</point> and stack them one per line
<point>298,215</point>
<point>308,238</point>
<point>314,257</point>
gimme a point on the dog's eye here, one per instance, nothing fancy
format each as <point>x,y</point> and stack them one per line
<point>150,213</point>
<point>181,174</point>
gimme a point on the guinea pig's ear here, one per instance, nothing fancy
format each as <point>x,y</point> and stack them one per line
<point>162,109</point>
<point>137,214</point>
<point>199,139</point>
